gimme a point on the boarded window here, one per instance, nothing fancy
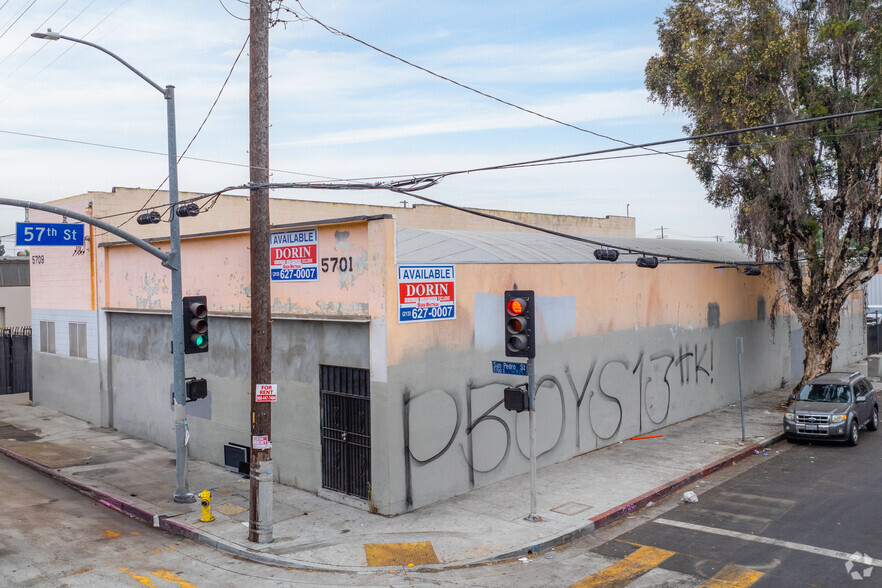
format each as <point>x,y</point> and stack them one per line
<point>47,336</point>
<point>78,340</point>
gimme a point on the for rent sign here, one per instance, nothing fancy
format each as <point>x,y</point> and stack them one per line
<point>426,293</point>
<point>294,256</point>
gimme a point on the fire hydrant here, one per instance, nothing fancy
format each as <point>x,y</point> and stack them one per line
<point>205,496</point>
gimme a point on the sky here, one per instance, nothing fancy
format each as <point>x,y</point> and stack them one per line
<point>72,119</point>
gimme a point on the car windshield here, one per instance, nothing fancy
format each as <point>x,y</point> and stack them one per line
<point>825,393</point>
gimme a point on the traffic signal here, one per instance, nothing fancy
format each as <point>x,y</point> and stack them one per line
<point>520,318</point>
<point>196,388</point>
<point>516,399</point>
<point>195,324</point>
<point>191,209</point>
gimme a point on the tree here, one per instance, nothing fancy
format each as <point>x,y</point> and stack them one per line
<point>810,193</point>
<point>2,250</point>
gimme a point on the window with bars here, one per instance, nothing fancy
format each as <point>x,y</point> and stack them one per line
<point>78,340</point>
<point>47,336</point>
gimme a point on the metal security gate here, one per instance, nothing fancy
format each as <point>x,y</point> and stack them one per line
<point>346,429</point>
<point>15,361</point>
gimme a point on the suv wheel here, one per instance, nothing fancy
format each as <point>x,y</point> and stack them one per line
<point>874,420</point>
<point>853,433</point>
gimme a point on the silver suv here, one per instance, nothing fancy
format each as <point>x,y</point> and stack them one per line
<point>833,406</point>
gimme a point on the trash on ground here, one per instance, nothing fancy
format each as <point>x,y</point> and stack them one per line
<point>410,565</point>
<point>650,503</point>
<point>523,559</point>
<point>716,442</point>
<point>646,437</point>
<point>689,496</point>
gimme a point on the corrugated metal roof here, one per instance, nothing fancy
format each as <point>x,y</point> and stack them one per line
<point>441,246</point>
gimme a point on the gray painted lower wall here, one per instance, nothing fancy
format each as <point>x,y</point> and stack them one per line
<point>141,377</point>
<point>438,427</point>
<point>68,384</point>
<point>592,392</point>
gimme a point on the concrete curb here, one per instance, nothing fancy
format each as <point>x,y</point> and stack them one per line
<point>623,510</point>
<point>184,530</point>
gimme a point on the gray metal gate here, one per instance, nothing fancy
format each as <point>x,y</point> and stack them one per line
<point>346,429</point>
<point>874,344</point>
<point>15,361</point>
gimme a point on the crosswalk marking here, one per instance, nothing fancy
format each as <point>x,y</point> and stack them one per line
<point>857,558</point>
<point>624,571</point>
<point>733,577</point>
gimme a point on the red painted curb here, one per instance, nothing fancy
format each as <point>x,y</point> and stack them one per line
<point>109,500</point>
<point>627,508</point>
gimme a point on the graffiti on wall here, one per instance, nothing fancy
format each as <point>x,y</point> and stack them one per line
<point>597,397</point>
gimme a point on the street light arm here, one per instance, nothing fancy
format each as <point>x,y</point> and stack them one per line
<point>53,36</point>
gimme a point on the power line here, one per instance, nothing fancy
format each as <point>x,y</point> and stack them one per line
<point>148,152</point>
<point>199,130</point>
<point>25,40</point>
<point>340,33</point>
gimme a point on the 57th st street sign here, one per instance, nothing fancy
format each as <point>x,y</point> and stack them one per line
<point>33,234</point>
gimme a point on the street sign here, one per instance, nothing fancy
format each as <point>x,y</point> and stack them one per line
<point>509,367</point>
<point>29,234</point>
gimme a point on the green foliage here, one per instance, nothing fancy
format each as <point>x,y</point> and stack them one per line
<point>809,191</point>
<point>2,250</point>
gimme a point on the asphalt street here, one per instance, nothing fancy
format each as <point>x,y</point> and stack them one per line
<point>793,517</point>
<point>807,515</point>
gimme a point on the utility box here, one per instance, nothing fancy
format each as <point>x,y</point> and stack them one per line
<point>874,366</point>
<point>516,399</point>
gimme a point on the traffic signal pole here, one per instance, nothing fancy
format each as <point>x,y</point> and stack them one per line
<point>519,332</point>
<point>531,390</point>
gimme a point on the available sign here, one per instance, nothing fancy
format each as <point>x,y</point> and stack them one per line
<point>426,293</point>
<point>265,393</point>
<point>294,256</point>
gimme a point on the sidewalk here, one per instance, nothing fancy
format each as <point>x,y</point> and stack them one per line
<point>574,497</point>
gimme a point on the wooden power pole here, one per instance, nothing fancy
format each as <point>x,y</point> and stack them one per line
<point>260,528</point>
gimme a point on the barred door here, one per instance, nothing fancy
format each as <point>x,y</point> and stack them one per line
<point>346,429</point>
<point>15,361</point>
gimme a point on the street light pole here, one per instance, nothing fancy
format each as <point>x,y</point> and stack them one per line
<point>182,493</point>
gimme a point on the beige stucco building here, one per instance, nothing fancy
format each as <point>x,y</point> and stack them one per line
<point>380,400</point>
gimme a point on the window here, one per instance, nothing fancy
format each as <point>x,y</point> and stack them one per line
<point>78,340</point>
<point>47,336</point>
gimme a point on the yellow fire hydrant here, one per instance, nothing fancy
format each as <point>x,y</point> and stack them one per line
<point>205,496</point>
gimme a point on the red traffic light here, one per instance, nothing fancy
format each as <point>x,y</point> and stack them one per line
<point>516,306</point>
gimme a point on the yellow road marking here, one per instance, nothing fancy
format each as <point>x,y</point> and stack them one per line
<point>733,577</point>
<point>624,571</point>
<point>82,571</point>
<point>170,577</point>
<point>399,554</point>
<point>143,579</point>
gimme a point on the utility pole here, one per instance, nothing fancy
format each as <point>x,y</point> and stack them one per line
<point>662,229</point>
<point>260,527</point>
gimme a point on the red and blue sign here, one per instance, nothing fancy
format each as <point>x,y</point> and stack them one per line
<point>294,256</point>
<point>426,293</point>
